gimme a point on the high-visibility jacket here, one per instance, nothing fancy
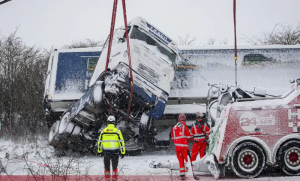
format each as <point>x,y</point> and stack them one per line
<point>198,134</point>
<point>181,136</point>
<point>111,141</point>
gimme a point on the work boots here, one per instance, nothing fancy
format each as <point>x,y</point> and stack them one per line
<point>115,175</point>
<point>107,175</point>
<point>182,177</point>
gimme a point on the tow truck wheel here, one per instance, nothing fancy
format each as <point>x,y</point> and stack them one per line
<point>289,155</point>
<point>248,160</point>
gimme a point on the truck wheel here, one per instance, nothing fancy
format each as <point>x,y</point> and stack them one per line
<point>248,160</point>
<point>289,155</point>
<point>77,130</point>
<point>66,126</point>
<point>53,134</point>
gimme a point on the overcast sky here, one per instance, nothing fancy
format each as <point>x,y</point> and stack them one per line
<point>47,23</point>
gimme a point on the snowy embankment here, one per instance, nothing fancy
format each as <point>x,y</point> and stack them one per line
<point>23,159</point>
<point>27,159</point>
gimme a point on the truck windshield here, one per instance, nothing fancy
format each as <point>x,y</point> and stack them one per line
<point>139,34</point>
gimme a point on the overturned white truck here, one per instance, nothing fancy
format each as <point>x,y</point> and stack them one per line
<point>153,57</point>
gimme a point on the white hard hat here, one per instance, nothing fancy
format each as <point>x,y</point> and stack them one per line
<point>111,119</point>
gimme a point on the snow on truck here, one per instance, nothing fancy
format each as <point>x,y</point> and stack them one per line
<point>254,129</point>
<point>153,65</point>
<point>250,131</point>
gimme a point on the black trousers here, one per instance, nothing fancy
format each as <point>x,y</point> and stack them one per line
<point>113,158</point>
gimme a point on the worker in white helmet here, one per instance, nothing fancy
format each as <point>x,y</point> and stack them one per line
<point>200,131</point>
<point>111,145</point>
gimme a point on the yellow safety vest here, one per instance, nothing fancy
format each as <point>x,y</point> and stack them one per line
<point>111,140</point>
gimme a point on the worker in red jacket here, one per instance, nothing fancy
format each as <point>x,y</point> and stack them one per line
<point>200,132</point>
<point>181,136</point>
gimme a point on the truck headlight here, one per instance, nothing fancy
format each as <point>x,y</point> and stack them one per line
<point>164,96</point>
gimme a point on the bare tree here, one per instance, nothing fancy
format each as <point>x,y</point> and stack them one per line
<point>281,34</point>
<point>85,44</point>
<point>187,40</point>
<point>22,73</point>
<point>223,41</point>
<point>211,41</point>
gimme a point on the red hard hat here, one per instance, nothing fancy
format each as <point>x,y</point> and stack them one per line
<point>181,117</point>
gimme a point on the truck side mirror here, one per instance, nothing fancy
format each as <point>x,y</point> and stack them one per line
<point>120,33</point>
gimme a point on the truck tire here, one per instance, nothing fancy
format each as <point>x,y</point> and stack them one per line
<point>53,137</point>
<point>289,157</point>
<point>76,130</point>
<point>248,160</point>
<point>66,126</point>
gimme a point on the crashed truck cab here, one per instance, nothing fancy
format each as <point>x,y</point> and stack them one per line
<point>153,58</point>
<point>252,130</point>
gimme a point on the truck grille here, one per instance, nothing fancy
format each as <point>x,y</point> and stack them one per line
<point>148,73</point>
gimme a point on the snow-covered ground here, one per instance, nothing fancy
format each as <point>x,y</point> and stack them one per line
<point>19,154</point>
<point>25,156</point>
